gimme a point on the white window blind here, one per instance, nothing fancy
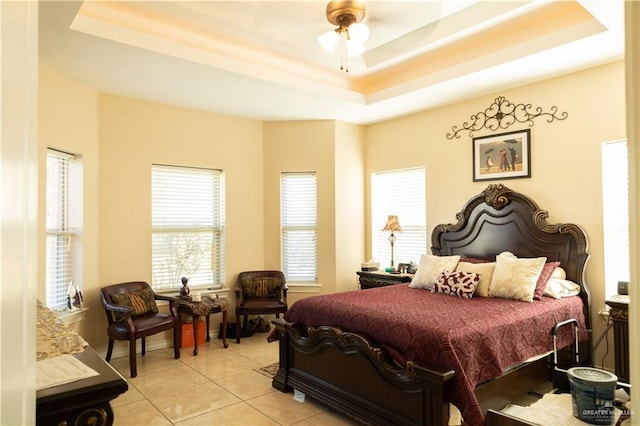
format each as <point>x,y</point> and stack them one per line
<point>62,207</point>
<point>615,199</point>
<point>299,223</point>
<point>401,193</point>
<point>187,226</point>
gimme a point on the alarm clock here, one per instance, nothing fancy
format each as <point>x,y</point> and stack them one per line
<point>623,287</point>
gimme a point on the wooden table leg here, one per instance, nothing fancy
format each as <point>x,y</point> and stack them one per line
<point>196,318</point>
<point>179,330</point>
<point>224,328</point>
<point>207,324</point>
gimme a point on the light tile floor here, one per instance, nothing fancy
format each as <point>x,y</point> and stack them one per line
<point>217,387</point>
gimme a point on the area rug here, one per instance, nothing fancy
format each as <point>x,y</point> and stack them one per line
<point>269,371</point>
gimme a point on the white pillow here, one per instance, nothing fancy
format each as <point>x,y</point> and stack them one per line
<point>515,278</point>
<point>559,273</point>
<point>486,272</point>
<point>557,288</point>
<point>430,268</point>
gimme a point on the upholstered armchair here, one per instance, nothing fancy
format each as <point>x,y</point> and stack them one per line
<point>259,292</point>
<point>132,314</point>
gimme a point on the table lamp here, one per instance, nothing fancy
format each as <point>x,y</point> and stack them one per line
<point>394,226</point>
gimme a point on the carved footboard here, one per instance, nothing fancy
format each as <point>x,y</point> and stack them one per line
<point>344,371</point>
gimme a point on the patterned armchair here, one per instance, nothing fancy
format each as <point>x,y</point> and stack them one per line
<point>132,314</point>
<point>259,292</point>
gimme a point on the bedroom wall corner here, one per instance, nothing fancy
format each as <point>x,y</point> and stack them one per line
<point>632,69</point>
<point>350,212</point>
<point>18,222</point>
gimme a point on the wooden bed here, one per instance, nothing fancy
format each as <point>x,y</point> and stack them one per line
<point>348,372</point>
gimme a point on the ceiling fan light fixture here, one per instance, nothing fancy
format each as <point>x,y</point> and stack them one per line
<point>358,33</point>
<point>351,34</point>
<point>329,40</point>
<point>345,12</point>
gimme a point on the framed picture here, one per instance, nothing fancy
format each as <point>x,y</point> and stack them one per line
<point>502,156</point>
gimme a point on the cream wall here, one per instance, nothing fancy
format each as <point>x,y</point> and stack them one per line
<point>68,121</point>
<point>565,156</point>
<point>119,139</point>
<point>134,135</point>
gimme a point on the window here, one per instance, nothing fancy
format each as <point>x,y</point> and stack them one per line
<point>401,193</point>
<point>63,224</point>
<point>615,199</point>
<point>299,223</point>
<point>187,210</point>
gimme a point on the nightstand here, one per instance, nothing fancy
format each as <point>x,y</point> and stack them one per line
<point>620,316</point>
<point>381,279</point>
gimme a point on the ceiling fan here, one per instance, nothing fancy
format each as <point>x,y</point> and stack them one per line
<point>347,15</point>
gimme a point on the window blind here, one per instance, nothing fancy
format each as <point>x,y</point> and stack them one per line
<point>615,209</point>
<point>187,226</point>
<point>299,222</point>
<point>60,238</point>
<point>401,193</point>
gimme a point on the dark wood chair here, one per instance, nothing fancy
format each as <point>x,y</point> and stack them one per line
<point>132,314</point>
<point>259,292</point>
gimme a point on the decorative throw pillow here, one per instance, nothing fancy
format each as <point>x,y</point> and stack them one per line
<point>484,269</point>
<point>430,268</point>
<point>515,278</point>
<point>142,301</point>
<point>262,287</point>
<point>457,283</point>
<point>547,271</point>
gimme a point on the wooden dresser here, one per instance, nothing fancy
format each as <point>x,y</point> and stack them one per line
<point>83,402</point>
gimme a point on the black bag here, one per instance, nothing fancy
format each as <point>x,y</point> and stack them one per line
<point>261,326</point>
<point>253,325</point>
<point>231,331</point>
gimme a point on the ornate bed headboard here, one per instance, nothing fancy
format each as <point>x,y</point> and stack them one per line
<point>499,219</point>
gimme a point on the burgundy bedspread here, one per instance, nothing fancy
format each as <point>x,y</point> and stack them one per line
<point>479,338</point>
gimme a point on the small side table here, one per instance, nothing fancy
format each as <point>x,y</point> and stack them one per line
<point>205,307</point>
<point>620,316</point>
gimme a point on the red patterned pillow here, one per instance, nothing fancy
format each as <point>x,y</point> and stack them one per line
<point>457,283</point>
<point>547,270</point>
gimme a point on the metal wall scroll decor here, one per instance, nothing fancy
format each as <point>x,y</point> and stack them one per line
<point>501,114</point>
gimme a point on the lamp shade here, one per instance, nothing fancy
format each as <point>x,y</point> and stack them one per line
<point>392,224</point>
<point>329,40</point>
<point>358,33</point>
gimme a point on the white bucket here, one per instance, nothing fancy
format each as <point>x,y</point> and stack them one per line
<point>592,394</point>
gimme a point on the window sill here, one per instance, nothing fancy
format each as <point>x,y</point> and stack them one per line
<point>303,288</point>
<point>71,318</point>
